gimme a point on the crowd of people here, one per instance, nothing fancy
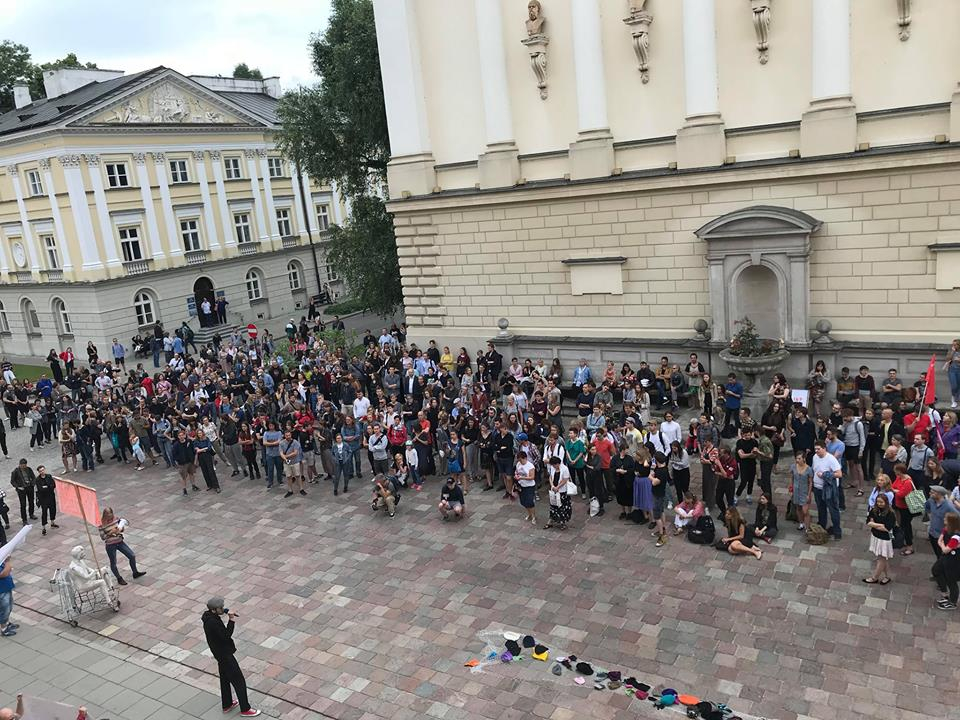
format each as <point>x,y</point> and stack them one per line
<point>308,413</point>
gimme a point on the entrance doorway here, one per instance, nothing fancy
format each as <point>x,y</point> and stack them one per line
<point>203,290</point>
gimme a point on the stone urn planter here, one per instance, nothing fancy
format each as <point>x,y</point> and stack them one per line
<point>753,369</point>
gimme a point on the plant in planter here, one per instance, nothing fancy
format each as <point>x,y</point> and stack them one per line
<point>751,356</point>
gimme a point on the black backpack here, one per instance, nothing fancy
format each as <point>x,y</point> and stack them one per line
<point>703,532</point>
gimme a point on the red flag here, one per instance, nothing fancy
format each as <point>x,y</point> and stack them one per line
<point>931,388</point>
<point>78,500</point>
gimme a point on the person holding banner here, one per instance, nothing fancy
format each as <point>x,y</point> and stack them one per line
<point>111,532</point>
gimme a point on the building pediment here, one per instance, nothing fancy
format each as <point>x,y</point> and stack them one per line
<point>759,221</point>
<point>171,100</point>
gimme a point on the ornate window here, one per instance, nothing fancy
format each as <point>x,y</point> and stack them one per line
<point>283,222</point>
<point>190,232</point>
<point>143,305</point>
<point>117,175</point>
<point>130,243</point>
<point>323,217</point>
<point>295,275</point>
<point>241,225</point>
<point>33,183</point>
<point>31,321</point>
<point>178,171</point>
<point>50,248</point>
<point>61,317</point>
<point>231,167</point>
<point>254,285</point>
<point>275,167</point>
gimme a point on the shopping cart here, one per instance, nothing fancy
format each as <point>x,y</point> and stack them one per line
<point>74,602</point>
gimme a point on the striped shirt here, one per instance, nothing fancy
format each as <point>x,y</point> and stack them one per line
<point>110,533</point>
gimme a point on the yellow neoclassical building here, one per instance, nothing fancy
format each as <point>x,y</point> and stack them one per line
<point>609,174</point>
<point>127,199</point>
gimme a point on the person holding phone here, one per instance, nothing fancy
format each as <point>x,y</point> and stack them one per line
<point>220,640</point>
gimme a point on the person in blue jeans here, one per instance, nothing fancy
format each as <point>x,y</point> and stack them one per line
<point>111,532</point>
<point>952,366</point>
<point>732,395</point>
<point>7,628</point>
<point>352,434</point>
<point>827,477</point>
<point>271,454</point>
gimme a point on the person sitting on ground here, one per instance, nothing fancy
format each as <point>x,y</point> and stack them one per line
<point>739,541</point>
<point>451,499</point>
<point>687,512</point>
<point>765,523</point>
<point>384,495</point>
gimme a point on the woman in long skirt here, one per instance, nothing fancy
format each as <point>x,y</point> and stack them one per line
<point>643,486</point>
<point>561,509</point>
<point>205,452</point>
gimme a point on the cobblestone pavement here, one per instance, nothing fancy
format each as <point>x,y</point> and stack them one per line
<point>350,614</point>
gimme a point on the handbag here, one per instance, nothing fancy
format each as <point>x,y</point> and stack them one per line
<point>791,513</point>
<point>915,501</point>
<point>554,498</point>
<point>28,422</point>
<point>571,488</point>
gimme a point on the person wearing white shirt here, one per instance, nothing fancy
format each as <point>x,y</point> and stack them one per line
<point>361,405</point>
<point>671,429</point>
<point>386,340</point>
<point>827,476</point>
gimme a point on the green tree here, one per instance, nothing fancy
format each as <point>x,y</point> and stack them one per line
<point>243,72</point>
<point>35,78</point>
<point>337,131</point>
<point>364,251</point>
<point>15,66</point>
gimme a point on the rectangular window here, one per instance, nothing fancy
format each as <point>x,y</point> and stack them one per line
<point>117,175</point>
<point>331,274</point>
<point>241,224</point>
<point>190,232</point>
<point>178,171</point>
<point>53,255</point>
<point>33,183</point>
<point>130,243</point>
<point>323,217</point>
<point>283,222</point>
<point>231,166</point>
<point>275,167</point>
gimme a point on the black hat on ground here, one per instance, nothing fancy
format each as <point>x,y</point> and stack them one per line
<point>584,668</point>
<point>512,647</point>
<point>540,649</point>
<point>528,641</point>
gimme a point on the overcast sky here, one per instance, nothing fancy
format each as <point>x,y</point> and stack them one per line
<point>194,37</point>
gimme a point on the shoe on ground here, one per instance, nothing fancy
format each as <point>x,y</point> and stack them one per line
<point>303,492</point>
<point>661,541</point>
<point>232,706</point>
<point>946,606</point>
<point>335,492</point>
<point>195,488</point>
<point>249,713</point>
<point>289,494</point>
<point>121,581</point>
<point>184,492</point>
<point>43,532</point>
<point>138,575</point>
<point>54,525</point>
<point>8,631</point>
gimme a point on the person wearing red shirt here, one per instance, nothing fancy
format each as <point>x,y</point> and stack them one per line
<point>68,360</point>
<point>914,424</point>
<point>147,384</point>
<point>903,486</point>
<point>605,450</point>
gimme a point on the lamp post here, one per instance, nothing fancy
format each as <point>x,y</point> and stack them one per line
<point>306,219</point>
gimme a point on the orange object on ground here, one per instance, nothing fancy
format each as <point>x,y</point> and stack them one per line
<point>688,699</point>
<point>471,663</point>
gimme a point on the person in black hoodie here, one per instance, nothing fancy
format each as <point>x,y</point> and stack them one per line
<point>220,640</point>
<point>765,523</point>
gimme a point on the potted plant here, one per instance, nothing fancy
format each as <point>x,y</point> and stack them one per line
<point>751,356</point>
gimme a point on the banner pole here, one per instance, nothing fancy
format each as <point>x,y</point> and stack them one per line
<point>86,525</point>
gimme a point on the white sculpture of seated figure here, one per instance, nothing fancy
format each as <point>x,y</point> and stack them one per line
<point>86,578</point>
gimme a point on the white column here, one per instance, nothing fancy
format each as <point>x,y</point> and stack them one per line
<point>397,42</point>
<point>411,167</point>
<point>251,156</point>
<point>28,240</point>
<point>588,67</point>
<point>700,58</point>
<point>103,214</point>
<point>4,266</point>
<point>198,159</point>
<point>175,247</point>
<point>226,219</point>
<point>298,201</point>
<point>80,210</point>
<point>268,194</point>
<point>62,243</point>
<point>831,49</point>
<point>146,197</point>
<point>493,73</point>
<point>337,207</point>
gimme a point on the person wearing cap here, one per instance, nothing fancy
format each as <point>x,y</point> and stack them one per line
<point>223,648</point>
<point>451,499</point>
<point>938,506</point>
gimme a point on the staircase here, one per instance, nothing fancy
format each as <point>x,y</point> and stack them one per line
<point>204,336</point>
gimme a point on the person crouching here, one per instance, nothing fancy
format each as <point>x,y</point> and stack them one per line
<point>451,499</point>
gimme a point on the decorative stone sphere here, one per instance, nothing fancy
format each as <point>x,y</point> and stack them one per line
<point>700,326</point>
<point>503,324</point>
<point>824,327</point>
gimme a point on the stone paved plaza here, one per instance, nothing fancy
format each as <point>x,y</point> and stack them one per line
<point>350,615</point>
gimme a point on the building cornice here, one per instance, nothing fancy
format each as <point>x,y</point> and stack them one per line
<point>920,157</point>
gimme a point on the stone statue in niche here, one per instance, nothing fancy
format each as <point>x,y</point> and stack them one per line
<point>535,18</point>
<point>761,25</point>
<point>536,42</point>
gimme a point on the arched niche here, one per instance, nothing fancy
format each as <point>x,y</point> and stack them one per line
<point>760,251</point>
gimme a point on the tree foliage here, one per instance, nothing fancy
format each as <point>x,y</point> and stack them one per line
<point>15,67</point>
<point>243,72</point>
<point>337,131</point>
<point>364,251</point>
